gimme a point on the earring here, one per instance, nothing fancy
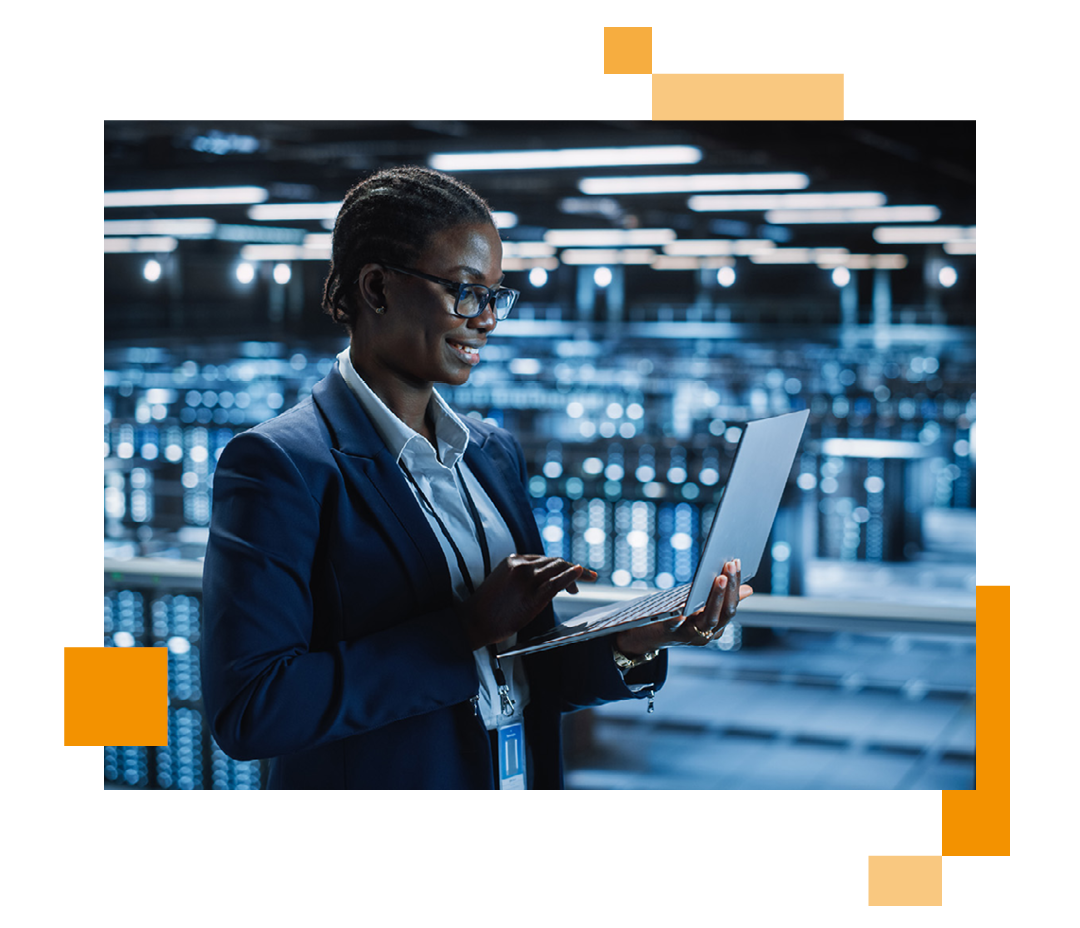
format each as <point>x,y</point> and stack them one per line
<point>380,309</point>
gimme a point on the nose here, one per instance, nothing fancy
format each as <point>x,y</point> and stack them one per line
<point>485,321</point>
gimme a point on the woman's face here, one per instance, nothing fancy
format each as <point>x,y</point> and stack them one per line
<point>418,338</point>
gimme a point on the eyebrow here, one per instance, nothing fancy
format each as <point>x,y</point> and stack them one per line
<point>478,273</point>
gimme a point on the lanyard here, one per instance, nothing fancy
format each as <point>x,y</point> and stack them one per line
<point>506,703</point>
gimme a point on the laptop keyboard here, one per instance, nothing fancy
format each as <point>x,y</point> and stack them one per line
<point>656,604</point>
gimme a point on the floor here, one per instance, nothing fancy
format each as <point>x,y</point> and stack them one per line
<point>799,710</point>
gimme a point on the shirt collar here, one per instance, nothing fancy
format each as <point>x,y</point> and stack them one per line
<point>450,432</point>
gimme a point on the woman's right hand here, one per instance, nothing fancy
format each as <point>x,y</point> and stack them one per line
<point>514,593</point>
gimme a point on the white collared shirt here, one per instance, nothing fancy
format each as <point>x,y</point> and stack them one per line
<point>437,475</point>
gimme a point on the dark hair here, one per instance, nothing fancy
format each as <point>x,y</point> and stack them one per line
<point>390,216</point>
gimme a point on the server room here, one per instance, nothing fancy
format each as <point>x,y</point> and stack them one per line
<point>677,280</point>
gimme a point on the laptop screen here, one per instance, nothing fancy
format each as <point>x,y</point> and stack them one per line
<point>750,500</point>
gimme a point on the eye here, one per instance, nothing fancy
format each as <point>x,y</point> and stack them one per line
<point>471,297</point>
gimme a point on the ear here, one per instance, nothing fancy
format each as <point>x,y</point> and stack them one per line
<point>371,287</point>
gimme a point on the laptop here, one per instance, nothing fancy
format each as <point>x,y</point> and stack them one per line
<point>740,529</point>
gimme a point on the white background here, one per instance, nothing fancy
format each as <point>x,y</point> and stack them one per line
<point>749,858</point>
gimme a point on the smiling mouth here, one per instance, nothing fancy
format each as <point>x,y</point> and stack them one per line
<point>470,354</point>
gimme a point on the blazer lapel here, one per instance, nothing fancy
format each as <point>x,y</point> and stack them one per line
<point>496,476</point>
<point>497,473</point>
<point>376,478</point>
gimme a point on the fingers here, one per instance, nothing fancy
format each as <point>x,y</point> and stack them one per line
<point>556,576</point>
<point>731,598</point>
<point>720,607</point>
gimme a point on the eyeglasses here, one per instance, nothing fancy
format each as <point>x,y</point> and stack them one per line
<point>472,299</point>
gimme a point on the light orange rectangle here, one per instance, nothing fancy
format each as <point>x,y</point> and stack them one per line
<point>975,823</point>
<point>905,881</point>
<point>116,696</point>
<point>748,96</point>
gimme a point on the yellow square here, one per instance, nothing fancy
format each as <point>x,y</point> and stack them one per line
<point>628,49</point>
<point>116,696</point>
<point>905,881</point>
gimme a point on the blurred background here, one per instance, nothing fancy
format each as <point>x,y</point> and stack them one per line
<point>678,280</point>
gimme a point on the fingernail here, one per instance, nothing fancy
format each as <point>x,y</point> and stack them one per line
<point>723,582</point>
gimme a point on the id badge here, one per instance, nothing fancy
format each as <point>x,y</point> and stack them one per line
<point>512,756</point>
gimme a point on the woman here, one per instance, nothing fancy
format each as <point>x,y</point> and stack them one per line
<point>370,553</point>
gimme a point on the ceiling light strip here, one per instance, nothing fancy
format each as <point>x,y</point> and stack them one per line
<point>591,238</point>
<point>565,158</point>
<point>923,235</point>
<point>752,202</point>
<point>691,183</point>
<point>873,214</point>
<point>185,196</point>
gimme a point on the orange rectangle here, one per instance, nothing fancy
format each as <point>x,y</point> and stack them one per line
<point>116,696</point>
<point>975,823</point>
<point>748,96</point>
<point>905,881</point>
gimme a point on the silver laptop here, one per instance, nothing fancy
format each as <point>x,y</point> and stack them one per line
<point>743,520</point>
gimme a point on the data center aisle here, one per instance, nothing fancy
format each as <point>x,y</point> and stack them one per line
<point>803,710</point>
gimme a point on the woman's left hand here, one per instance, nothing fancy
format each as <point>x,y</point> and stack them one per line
<point>697,629</point>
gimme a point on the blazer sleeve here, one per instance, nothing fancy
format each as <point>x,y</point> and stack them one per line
<point>267,693</point>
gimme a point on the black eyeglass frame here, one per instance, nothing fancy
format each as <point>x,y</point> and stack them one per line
<point>492,294</point>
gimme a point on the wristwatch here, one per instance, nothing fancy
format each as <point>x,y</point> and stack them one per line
<point>624,662</point>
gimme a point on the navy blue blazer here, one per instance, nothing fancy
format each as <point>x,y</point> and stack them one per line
<point>330,640</point>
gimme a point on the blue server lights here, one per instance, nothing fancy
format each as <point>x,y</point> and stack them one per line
<point>741,270</point>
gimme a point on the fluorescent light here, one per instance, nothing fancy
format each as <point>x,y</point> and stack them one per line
<point>564,158</point>
<point>921,235</point>
<point>960,248</point>
<point>284,253</point>
<point>863,262</point>
<point>527,250</point>
<point>689,262</point>
<point>871,448</point>
<point>762,201</point>
<point>795,255</point>
<point>675,263</point>
<point>608,256</point>
<point>185,196</point>
<point>269,234</point>
<point>181,228</point>
<point>143,244</point>
<point>719,246</point>
<point>608,237</point>
<point>327,213</point>
<point>298,212</point>
<point>689,183</point>
<point>871,214</point>
<point>527,264</point>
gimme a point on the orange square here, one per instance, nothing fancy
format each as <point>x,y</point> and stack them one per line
<point>628,49</point>
<point>905,881</point>
<point>116,696</point>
